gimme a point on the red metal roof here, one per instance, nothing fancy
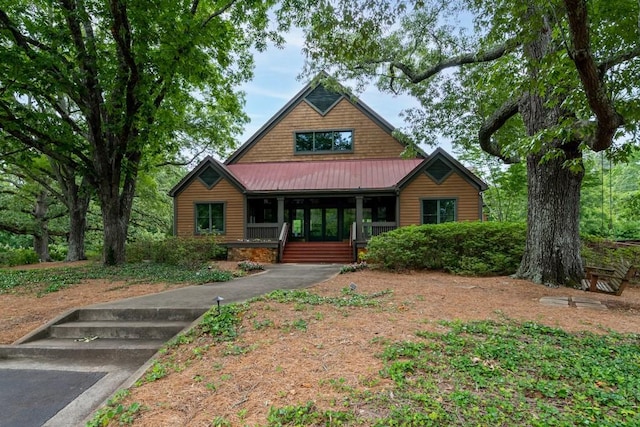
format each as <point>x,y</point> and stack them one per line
<point>323,175</point>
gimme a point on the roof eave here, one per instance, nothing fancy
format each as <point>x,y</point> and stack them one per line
<point>329,191</point>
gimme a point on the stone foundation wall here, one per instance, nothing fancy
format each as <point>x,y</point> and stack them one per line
<point>261,255</point>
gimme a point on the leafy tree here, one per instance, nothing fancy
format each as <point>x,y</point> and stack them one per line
<point>152,212</point>
<point>538,82</point>
<point>60,182</point>
<point>27,208</point>
<point>105,88</point>
<point>611,197</point>
<point>506,198</point>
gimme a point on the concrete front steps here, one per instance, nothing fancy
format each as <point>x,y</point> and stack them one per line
<point>130,334</point>
<point>318,252</point>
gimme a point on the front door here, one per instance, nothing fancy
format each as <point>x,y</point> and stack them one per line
<point>323,224</point>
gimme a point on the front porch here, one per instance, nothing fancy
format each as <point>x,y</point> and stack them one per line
<point>292,227</point>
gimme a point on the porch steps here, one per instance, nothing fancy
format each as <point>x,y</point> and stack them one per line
<point>318,252</point>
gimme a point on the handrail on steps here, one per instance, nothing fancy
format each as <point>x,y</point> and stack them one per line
<point>352,241</point>
<point>352,234</point>
<point>282,240</point>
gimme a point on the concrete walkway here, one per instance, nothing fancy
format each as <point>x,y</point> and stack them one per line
<point>64,390</point>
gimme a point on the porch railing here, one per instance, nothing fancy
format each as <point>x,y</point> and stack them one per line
<point>282,240</point>
<point>266,231</point>
<point>371,229</point>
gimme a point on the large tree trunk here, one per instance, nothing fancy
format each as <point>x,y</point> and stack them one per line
<point>76,198</point>
<point>78,207</point>
<point>41,229</point>
<point>116,206</point>
<point>552,250</point>
<point>115,236</point>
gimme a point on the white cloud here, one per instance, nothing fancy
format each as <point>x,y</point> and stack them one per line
<point>254,90</point>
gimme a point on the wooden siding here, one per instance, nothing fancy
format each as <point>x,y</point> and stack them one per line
<point>370,141</point>
<point>197,192</point>
<point>423,187</point>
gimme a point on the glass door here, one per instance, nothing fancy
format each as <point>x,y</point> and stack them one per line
<point>331,224</point>
<point>323,224</point>
<point>315,224</point>
<point>296,222</point>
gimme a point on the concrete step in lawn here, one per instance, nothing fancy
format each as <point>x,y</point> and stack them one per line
<point>130,330</point>
<point>142,314</point>
<point>98,350</point>
<point>105,333</point>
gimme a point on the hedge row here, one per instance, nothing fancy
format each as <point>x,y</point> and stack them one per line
<point>470,248</point>
<point>185,251</point>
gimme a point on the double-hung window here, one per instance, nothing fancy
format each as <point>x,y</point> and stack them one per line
<point>209,218</point>
<point>437,211</point>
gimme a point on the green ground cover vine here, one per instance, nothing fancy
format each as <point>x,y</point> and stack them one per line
<point>54,279</point>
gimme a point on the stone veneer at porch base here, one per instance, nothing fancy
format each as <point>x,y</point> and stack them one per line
<point>262,255</point>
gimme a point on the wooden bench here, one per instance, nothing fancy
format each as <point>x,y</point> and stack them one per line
<point>606,280</point>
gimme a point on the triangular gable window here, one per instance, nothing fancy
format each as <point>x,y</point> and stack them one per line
<point>209,176</point>
<point>439,170</point>
<point>322,99</point>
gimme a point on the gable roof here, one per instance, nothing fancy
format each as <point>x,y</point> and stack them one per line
<point>208,161</point>
<point>341,175</point>
<point>442,155</point>
<point>301,97</point>
<point>322,176</point>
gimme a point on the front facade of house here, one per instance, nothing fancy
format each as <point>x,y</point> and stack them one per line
<point>317,181</point>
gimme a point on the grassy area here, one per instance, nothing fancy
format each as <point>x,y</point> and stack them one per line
<point>54,279</point>
<point>483,373</point>
<point>495,374</point>
<point>488,373</point>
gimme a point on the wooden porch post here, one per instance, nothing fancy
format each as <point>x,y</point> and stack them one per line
<point>280,213</point>
<point>359,217</point>
<point>398,209</point>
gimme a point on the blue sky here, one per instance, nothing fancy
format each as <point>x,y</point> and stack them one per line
<point>275,83</point>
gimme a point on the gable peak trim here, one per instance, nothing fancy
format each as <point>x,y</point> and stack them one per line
<point>214,164</point>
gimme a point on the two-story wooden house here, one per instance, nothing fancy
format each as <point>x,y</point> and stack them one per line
<point>317,181</point>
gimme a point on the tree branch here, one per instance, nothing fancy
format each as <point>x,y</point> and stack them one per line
<point>456,61</point>
<point>26,232</point>
<point>11,153</point>
<point>32,137</point>
<point>37,139</point>
<point>612,61</point>
<point>184,163</point>
<point>27,45</point>
<point>128,68</point>
<point>608,119</point>
<point>92,103</point>
<point>64,114</point>
<point>492,124</point>
<point>214,14</point>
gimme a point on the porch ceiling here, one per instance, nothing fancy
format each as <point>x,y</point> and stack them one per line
<point>368,174</point>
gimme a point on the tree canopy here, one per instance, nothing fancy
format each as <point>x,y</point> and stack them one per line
<point>108,89</point>
<point>535,81</point>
